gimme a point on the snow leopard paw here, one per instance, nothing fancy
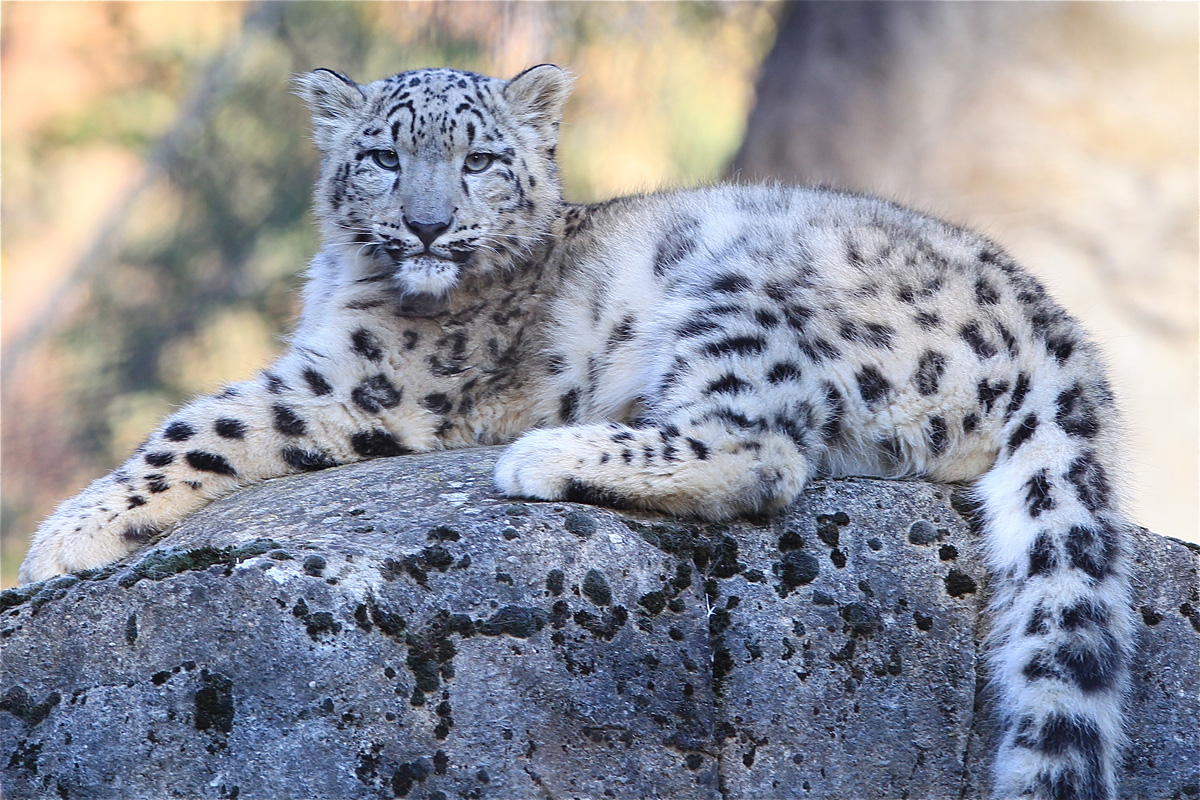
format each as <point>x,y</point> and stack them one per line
<point>551,464</point>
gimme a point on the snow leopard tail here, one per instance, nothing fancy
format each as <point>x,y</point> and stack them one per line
<point>1062,629</point>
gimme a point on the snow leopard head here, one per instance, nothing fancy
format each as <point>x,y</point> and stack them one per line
<point>433,174</point>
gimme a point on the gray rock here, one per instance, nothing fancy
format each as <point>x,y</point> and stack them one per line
<point>394,628</point>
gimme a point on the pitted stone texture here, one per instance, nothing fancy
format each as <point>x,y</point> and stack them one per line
<point>396,629</point>
<point>879,647</point>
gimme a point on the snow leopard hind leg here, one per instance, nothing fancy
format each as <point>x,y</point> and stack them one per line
<point>722,424</point>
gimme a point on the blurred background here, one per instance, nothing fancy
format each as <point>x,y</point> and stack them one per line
<point>156,171</point>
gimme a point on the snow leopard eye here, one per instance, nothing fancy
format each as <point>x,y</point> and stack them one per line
<point>477,162</point>
<point>386,159</point>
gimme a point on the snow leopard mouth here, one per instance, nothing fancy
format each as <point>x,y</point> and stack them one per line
<point>433,271</point>
<point>400,255</point>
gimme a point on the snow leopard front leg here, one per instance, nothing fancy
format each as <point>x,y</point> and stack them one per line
<point>309,411</point>
<point>731,424</point>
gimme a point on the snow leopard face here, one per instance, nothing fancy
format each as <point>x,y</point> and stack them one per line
<point>433,174</point>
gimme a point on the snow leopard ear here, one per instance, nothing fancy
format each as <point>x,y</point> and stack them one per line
<point>538,94</point>
<point>331,97</point>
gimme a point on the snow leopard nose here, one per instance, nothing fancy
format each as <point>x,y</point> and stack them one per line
<point>427,232</point>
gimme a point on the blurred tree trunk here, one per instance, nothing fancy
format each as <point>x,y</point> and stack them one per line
<point>1065,131</point>
<point>856,93</point>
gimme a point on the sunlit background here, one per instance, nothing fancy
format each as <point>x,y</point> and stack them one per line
<point>156,173</point>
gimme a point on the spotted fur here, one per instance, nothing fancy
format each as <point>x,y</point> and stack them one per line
<point>702,353</point>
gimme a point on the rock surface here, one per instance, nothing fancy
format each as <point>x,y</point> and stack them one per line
<point>395,629</point>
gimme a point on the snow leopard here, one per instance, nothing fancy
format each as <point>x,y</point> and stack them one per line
<point>701,352</point>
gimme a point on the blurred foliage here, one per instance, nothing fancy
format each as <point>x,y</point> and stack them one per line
<point>210,229</point>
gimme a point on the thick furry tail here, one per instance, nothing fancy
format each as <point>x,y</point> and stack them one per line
<point>1062,630</point>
